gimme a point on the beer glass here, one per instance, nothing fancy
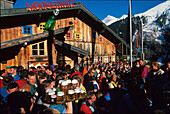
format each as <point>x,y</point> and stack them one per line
<point>71,95</point>
<point>82,94</point>
<point>77,93</point>
<point>51,93</point>
<point>63,87</point>
<point>60,97</point>
<point>74,84</point>
<point>59,83</point>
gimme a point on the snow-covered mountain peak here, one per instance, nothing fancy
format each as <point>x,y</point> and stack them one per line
<point>109,20</point>
<point>123,16</point>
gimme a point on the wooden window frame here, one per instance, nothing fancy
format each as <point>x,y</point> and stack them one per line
<point>100,38</point>
<point>69,35</point>
<point>38,49</point>
<point>76,37</point>
<point>26,31</point>
<point>41,26</point>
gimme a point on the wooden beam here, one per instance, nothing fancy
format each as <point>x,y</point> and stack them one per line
<point>49,47</point>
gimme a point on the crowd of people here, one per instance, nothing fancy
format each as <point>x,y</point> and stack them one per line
<point>112,87</point>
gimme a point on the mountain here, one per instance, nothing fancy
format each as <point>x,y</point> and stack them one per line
<point>110,19</point>
<point>156,30</point>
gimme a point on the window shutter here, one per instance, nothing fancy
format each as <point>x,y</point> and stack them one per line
<point>69,35</point>
<point>77,36</point>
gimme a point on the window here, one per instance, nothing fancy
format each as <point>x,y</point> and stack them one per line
<point>69,35</point>
<point>41,26</point>
<point>38,49</point>
<point>27,29</point>
<point>77,36</point>
<point>100,38</point>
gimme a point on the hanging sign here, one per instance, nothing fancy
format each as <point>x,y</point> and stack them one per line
<point>50,5</point>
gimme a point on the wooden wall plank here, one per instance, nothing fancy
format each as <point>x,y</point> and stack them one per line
<point>85,31</point>
<point>3,35</point>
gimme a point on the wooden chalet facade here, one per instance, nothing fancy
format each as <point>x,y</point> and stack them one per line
<point>77,35</point>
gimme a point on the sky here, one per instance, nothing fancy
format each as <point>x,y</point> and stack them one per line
<point>102,8</point>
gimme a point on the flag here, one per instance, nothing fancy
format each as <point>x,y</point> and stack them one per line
<point>141,35</point>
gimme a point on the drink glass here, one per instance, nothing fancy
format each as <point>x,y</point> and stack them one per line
<point>51,93</point>
<point>60,97</point>
<point>82,94</point>
<point>60,81</point>
<point>74,84</point>
<point>71,95</point>
<point>77,93</point>
<point>63,87</point>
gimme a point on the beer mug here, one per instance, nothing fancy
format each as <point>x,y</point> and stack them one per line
<point>74,84</point>
<point>60,97</point>
<point>82,94</point>
<point>46,98</point>
<point>53,99</point>
<point>63,87</point>
<point>51,93</point>
<point>60,81</point>
<point>77,93</point>
<point>69,84</point>
<point>71,95</point>
<point>54,89</point>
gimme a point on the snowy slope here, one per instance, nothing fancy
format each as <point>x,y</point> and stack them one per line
<point>151,16</point>
<point>155,22</point>
<point>157,10</point>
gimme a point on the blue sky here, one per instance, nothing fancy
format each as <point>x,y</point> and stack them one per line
<point>102,8</point>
